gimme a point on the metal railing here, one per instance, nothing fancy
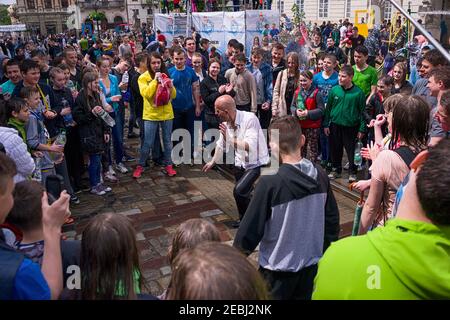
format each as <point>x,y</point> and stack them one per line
<point>424,32</point>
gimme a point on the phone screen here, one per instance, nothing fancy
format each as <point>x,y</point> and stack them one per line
<point>54,187</point>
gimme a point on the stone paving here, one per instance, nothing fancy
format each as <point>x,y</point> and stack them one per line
<point>157,204</point>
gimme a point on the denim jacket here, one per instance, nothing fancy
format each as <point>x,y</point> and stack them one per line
<point>267,78</point>
<point>114,91</point>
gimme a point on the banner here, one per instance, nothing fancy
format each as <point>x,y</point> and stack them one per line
<point>234,26</point>
<point>211,26</point>
<point>170,25</point>
<point>13,28</point>
<point>255,21</point>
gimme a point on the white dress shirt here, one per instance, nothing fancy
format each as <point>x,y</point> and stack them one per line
<point>247,130</point>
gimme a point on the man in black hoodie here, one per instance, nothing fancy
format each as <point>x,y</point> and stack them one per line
<point>293,215</point>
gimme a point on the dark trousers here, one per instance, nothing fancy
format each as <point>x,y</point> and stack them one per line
<point>264,116</point>
<point>245,107</point>
<point>290,285</point>
<point>132,118</point>
<point>74,157</point>
<point>255,4</point>
<point>342,137</point>
<point>184,119</point>
<point>245,180</point>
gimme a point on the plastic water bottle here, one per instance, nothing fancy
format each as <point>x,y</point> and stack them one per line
<point>68,119</point>
<point>107,118</point>
<point>37,175</point>
<point>358,157</point>
<point>59,141</point>
<point>125,79</point>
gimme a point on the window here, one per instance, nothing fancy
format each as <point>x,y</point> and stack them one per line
<point>301,5</point>
<point>31,4</point>
<point>149,11</point>
<point>281,6</point>
<point>348,8</point>
<point>135,13</point>
<point>323,8</point>
<point>64,4</point>
<point>387,10</point>
<point>48,5</point>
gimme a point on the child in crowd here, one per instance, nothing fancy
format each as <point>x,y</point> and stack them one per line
<point>38,138</point>
<point>26,215</point>
<point>109,261</point>
<point>188,235</point>
<point>215,271</point>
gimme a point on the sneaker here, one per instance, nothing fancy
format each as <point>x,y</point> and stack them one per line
<point>105,188</point>
<point>334,175</point>
<point>97,190</point>
<point>121,168</point>
<point>170,171</point>
<point>110,177</point>
<point>352,178</point>
<point>347,165</point>
<point>128,158</point>
<point>111,171</point>
<point>74,199</point>
<point>138,172</point>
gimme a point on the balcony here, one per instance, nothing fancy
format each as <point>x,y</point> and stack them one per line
<point>100,4</point>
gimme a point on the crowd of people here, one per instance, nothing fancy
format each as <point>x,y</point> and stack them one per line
<point>65,106</point>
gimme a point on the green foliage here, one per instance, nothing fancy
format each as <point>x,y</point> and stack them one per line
<point>299,16</point>
<point>5,19</point>
<point>97,16</point>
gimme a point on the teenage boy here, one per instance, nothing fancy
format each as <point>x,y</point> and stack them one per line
<point>37,134</point>
<point>431,60</point>
<point>244,85</point>
<point>325,81</point>
<point>186,105</point>
<point>71,59</point>
<point>22,279</point>
<point>263,77</point>
<point>344,121</point>
<point>191,48</point>
<point>42,59</point>
<point>438,83</point>
<point>408,258</point>
<point>293,216</point>
<point>366,77</point>
<point>278,62</point>
<point>30,78</point>
<point>12,71</point>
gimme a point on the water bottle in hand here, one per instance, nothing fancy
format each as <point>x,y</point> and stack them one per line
<point>107,118</point>
<point>358,157</point>
<point>60,140</point>
<point>68,119</point>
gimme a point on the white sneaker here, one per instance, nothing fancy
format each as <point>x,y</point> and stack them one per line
<point>121,168</point>
<point>111,177</point>
<point>111,171</point>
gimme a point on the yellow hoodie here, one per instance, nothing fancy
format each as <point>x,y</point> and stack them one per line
<point>147,87</point>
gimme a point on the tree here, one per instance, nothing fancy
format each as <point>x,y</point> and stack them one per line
<point>5,19</point>
<point>299,16</point>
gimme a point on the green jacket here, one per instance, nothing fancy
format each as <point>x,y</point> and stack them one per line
<point>345,107</point>
<point>404,260</point>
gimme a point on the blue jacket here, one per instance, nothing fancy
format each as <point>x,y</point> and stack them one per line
<point>267,78</point>
<point>114,91</point>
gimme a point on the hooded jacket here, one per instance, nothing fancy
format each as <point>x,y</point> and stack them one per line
<point>404,260</point>
<point>17,150</point>
<point>292,215</point>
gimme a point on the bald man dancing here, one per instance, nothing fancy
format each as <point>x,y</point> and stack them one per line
<point>241,131</point>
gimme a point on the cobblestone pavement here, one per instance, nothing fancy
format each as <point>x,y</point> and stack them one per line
<point>157,204</point>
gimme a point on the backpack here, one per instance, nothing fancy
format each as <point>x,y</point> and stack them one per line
<point>162,96</point>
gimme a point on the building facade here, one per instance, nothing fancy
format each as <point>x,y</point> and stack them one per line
<point>45,16</point>
<point>335,10</point>
<point>141,11</point>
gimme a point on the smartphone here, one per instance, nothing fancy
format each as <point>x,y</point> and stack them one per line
<point>54,185</point>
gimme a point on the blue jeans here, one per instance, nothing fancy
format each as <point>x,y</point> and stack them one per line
<point>156,150</point>
<point>324,145</point>
<point>94,169</point>
<point>151,127</point>
<point>117,137</point>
